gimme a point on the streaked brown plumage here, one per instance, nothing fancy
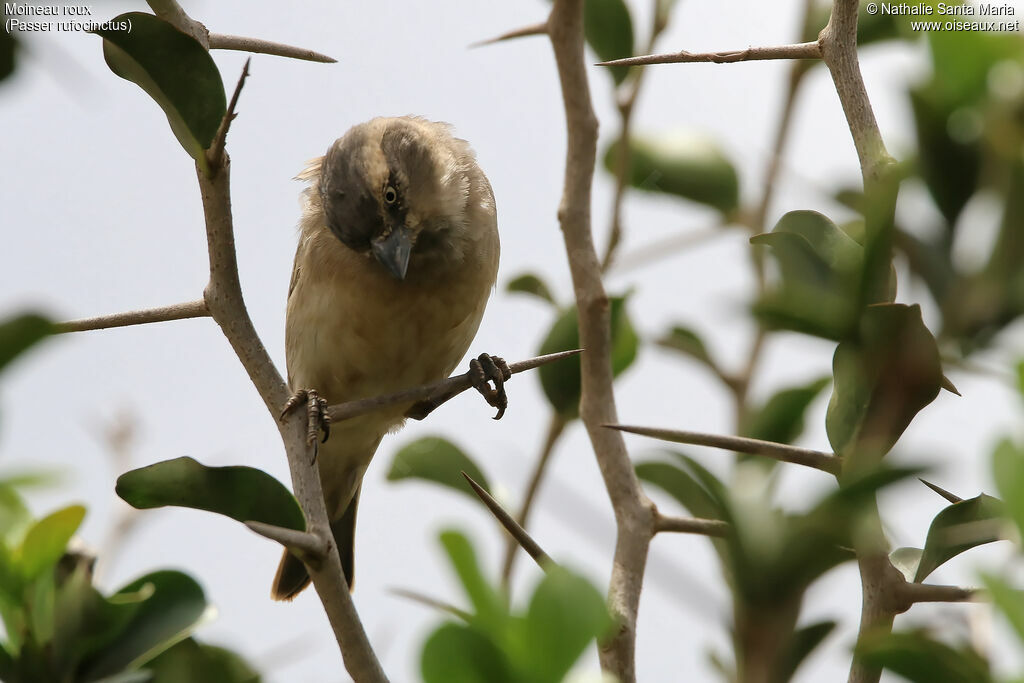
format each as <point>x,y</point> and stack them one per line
<point>397,256</point>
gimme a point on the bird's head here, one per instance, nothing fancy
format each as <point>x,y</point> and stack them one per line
<point>397,188</point>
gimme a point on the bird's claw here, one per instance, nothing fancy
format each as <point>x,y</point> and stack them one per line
<point>316,413</point>
<point>487,369</point>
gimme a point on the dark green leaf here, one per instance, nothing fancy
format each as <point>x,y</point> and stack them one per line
<point>85,622</point>
<point>561,381</point>
<point>566,614</point>
<point>820,268</point>
<point>1020,377</point>
<point>687,166</point>
<point>960,527</point>
<point>456,653</point>
<point>175,71</point>
<point>528,283</point>
<point>8,50</point>
<point>489,607</point>
<point>174,606</point>
<point>781,418</point>
<point>1008,470</point>
<point>950,166</point>
<point>920,659</point>
<point>436,459</point>
<point>608,28</point>
<point>805,640</point>
<point>241,493</point>
<point>19,333</point>
<point>881,380</point>
<point>685,340</point>
<point>198,663</point>
<point>46,540</point>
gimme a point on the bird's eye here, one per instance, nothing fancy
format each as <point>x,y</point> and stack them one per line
<point>390,195</point>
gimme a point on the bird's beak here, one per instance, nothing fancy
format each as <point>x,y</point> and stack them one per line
<point>393,250</point>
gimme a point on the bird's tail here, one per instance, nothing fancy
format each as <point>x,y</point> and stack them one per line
<point>292,576</point>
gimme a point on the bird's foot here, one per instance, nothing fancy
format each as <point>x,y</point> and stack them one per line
<point>485,370</point>
<point>316,413</point>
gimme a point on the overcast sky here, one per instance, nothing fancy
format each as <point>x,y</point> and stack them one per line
<point>101,213</point>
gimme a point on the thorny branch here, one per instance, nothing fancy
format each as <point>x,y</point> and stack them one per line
<point>634,512</point>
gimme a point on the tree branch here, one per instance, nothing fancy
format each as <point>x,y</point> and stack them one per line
<point>524,539</point>
<point>925,592</point>
<point>215,154</point>
<point>433,602</point>
<point>189,309</point>
<point>220,41</point>
<point>447,388</point>
<point>819,460</point>
<point>795,51</point>
<point>691,525</point>
<point>634,512</point>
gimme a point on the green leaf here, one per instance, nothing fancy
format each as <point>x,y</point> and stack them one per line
<point>805,640</point>
<point>608,29</point>
<point>8,50</point>
<point>436,459</point>
<point>566,613</point>
<point>175,71</point>
<point>781,418</point>
<point>686,165</point>
<point>46,540</point>
<point>1020,377</point>
<point>528,283</point>
<point>198,663</point>
<point>490,611</point>
<point>687,341</point>
<point>882,380</point>
<point>241,493</point>
<point>1008,470</point>
<point>820,268</point>
<point>957,528</point>
<point>14,517</point>
<point>907,560</point>
<point>457,653</point>
<point>19,333</point>
<point>1008,600</point>
<point>561,381</point>
<point>174,606</point>
<point>682,486</point>
<point>920,659</point>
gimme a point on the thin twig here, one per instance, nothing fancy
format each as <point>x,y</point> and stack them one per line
<point>524,32</point>
<point>171,12</point>
<point>451,387</point>
<point>819,460</point>
<point>519,533</point>
<point>215,155</point>
<point>667,246</point>
<point>432,602</point>
<point>795,51</point>
<point>219,41</point>
<point>556,427</point>
<point>303,542</point>
<point>189,309</point>
<point>691,525</point>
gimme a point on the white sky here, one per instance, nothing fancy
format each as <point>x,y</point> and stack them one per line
<point>101,213</point>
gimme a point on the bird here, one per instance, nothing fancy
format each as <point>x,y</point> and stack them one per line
<point>397,257</point>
